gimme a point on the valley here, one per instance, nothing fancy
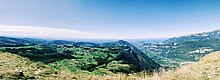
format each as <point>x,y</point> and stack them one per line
<point>109,40</point>
<point>108,58</point>
<point>87,57</point>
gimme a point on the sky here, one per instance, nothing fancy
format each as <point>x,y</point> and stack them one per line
<point>108,19</point>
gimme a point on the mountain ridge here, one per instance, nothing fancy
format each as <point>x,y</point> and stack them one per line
<point>196,36</point>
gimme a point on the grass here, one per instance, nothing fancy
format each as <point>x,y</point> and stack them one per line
<point>16,67</point>
<point>208,68</point>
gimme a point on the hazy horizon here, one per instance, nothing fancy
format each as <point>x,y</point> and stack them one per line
<point>107,19</point>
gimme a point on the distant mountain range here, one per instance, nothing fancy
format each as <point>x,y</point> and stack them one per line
<point>197,37</point>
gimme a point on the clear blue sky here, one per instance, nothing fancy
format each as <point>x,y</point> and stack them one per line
<point>116,18</point>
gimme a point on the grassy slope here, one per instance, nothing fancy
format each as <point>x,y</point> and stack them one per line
<point>13,66</point>
<point>16,67</point>
<point>208,68</point>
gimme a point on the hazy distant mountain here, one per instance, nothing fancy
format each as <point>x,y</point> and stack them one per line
<point>10,41</point>
<point>197,37</point>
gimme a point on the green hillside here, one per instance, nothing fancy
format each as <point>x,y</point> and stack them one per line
<point>15,67</point>
<point>76,57</point>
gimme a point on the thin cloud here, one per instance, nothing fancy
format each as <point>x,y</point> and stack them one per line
<point>44,32</point>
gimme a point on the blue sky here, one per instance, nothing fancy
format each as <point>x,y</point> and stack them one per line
<point>120,19</point>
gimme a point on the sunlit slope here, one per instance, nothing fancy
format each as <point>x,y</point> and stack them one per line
<point>15,67</point>
<point>208,68</point>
